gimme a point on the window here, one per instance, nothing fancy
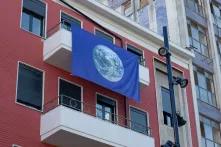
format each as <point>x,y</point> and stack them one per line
<point>205,90</point>
<point>138,120</point>
<point>106,108</point>
<point>33,16</point>
<point>218,44</point>
<point>196,6</point>
<point>70,95</point>
<point>198,38</point>
<point>216,11</point>
<point>137,52</point>
<point>210,132</point>
<point>167,111</point>
<point>66,21</point>
<point>30,86</point>
<point>161,15</point>
<point>104,35</point>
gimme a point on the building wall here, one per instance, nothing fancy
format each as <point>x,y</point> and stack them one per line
<point>20,124</point>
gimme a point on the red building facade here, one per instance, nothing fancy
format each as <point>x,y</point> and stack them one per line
<point>20,124</point>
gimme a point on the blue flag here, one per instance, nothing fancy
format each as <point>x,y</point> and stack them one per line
<point>99,61</point>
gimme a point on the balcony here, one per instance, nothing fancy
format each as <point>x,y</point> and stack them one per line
<point>69,123</point>
<point>58,50</point>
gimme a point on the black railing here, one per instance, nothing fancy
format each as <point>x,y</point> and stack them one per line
<point>92,110</point>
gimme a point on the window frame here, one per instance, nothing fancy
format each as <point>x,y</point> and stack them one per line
<point>44,23</point>
<point>73,83</point>
<point>200,30</point>
<point>108,97</point>
<point>143,63</point>
<point>147,117</point>
<point>105,33</point>
<point>62,11</point>
<point>43,87</point>
<point>164,112</point>
<point>196,71</point>
<point>206,121</point>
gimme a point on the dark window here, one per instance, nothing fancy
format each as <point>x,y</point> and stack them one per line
<point>70,95</point>
<point>66,21</point>
<point>33,16</point>
<point>167,111</point>
<point>30,86</point>
<point>106,108</point>
<point>138,120</point>
<point>137,52</point>
<point>104,35</point>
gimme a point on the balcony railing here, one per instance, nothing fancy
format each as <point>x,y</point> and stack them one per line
<point>195,7</point>
<point>91,110</point>
<point>209,143</point>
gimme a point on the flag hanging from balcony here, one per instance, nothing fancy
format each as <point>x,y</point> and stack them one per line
<point>98,60</point>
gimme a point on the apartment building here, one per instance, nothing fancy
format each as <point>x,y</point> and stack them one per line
<point>203,29</point>
<point>44,105</point>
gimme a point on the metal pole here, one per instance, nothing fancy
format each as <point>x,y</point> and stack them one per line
<point>171,89</point>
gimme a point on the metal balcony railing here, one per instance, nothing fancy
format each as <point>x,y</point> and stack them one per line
<point>92,110</point>
<point>205,142</point>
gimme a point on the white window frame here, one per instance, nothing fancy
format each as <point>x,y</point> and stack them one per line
<point>43,86</point>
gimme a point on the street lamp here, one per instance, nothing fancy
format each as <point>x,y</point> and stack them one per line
<point>177,120</point>
<point>182,82</point>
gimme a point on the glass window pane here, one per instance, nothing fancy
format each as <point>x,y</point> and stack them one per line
<point>161,15</point>
<point>25,21</point>
<point>203,142</point>
<point>67,20</point>
<point>99,111</point>
<point>202,81</point>
<point>195,33</point>
<point>203,95</point>
<point>107,115</point>
<point>208,132</point>
<point>70,94</point>
<point>104,35</point>
<point>138,120</point>
<point>36,26</point>
<point>30,84</point>
<point>166,100</point>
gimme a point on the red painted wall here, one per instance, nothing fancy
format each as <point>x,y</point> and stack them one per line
<point>21,125</point>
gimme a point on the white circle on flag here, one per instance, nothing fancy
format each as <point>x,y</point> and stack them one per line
<point>108,63</point>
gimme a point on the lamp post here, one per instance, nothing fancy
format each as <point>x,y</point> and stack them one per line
<point>165,51</point>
